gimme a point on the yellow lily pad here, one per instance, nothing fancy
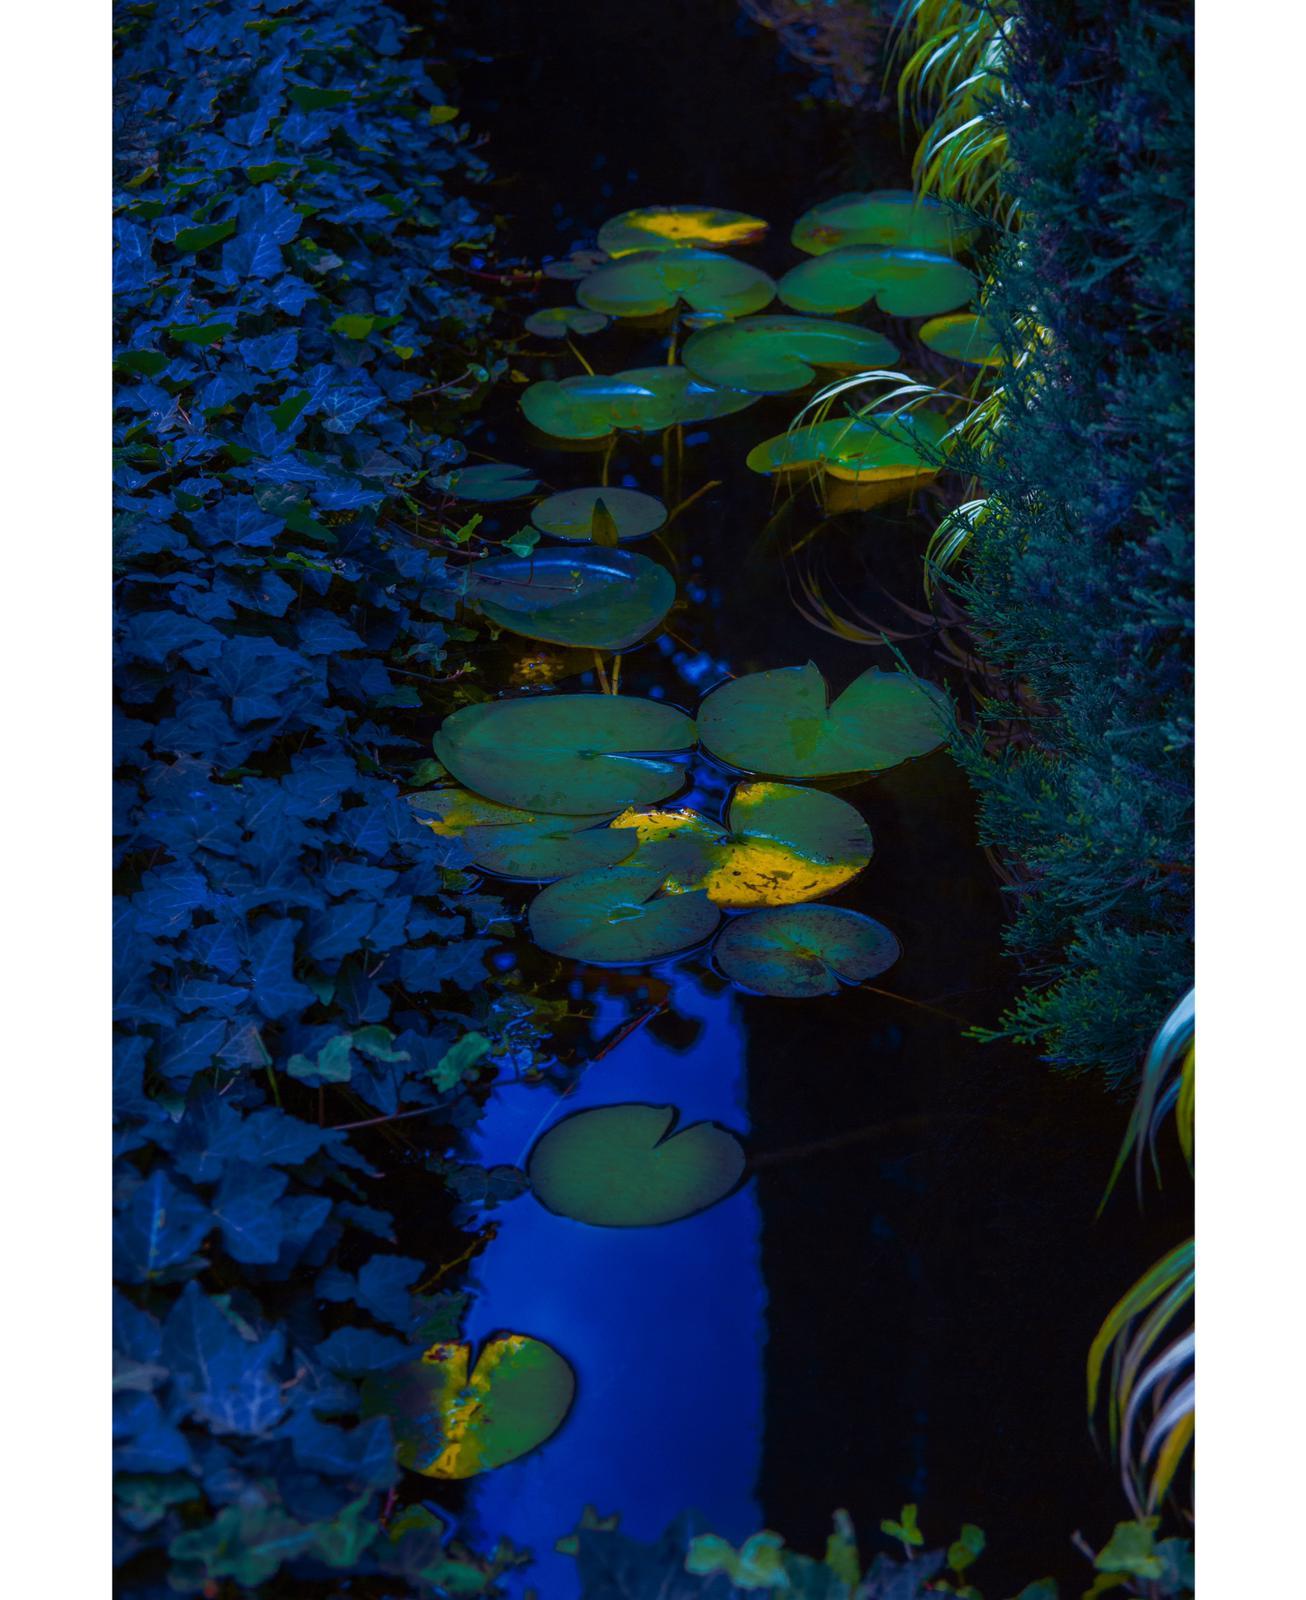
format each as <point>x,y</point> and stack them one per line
<point>679,228</point>
<point>520,844</point>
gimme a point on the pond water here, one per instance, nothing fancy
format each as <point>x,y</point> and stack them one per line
<point>897,1303</point>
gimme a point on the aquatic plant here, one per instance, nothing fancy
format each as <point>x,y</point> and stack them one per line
<point>964,337</point>
<point>599,599</point>
<point>800,951</point>
<point>772,355</point>
<point>643,400</point>
<point>652,282</point>
<point>619,915</point>
<point>488,481</point>
<point>895,218</point>
<point>580,514</point>
<point>679,228</point>
<point>556,322</point>
<point>902,282</point>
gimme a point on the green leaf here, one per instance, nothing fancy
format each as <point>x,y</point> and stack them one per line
<point>520,844</point>
<point>285,413</point>
<point>357,325</point>
<point>603,525</point>
<point>904,447</point>
<point>308,97</point>
<point>606,600</point>
<point>201,333</point>
<point>880,217</point>
<point>903,283</point>
<point>149,363</point>
<point>201,238</point>
<point>559,321</point>
<point>573,513</point>
<point>650,282</point>
<point>521,544</point>
<point>332,1065</point>
<point>1132,1549</point>
<point>438,115</point>
<point>618,915</point>
<point>488,481</point>
<point>967,1546</point>
<point>905,1529</point>
<point>965,337</point>
<point>797,952</point>
<point>773,355</point>
<point>457,1061</point>
<point>641,400</point>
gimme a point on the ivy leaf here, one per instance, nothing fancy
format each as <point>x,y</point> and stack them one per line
<point>210,233</point>
<point>968,1545</point>
<point>457,1061</point>
<point>246,1211</point>
<point>1132,1549</point>
<point>160,1228</point>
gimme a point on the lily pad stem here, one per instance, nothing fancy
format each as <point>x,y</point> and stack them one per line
<point>580,358</point>
<point>602,675</point>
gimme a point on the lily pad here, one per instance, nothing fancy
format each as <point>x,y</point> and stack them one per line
<point>891,448</point>
<point>521,844</point>
<point>488,481</point>
<point>452,1422</point>
<point>772,355</point>
<point>642,400</point>
<point>653,281</point>
<point>571,514</point>
<point>903,283</point>
<point>558,321</point>
<point>628,1166</point>
<point>678,228</point>
<point>966,337</point>
<point>895,217</point>
<point>799,951</point>
<point>781,722</point>
<point>567,754</point>
<point>603,599</point>
<point>618,914</point>
<point>779,845</point>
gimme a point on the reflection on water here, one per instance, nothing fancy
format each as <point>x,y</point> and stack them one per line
<point>664,1326</point>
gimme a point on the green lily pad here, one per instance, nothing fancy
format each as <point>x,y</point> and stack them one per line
<point>571,514</point>
<point>772,355</point>
<point>966,337</point>
<point>653,281</point>
<point>893,447</point>
<point>602,599</point>
<point>800,951</point>
<point>893,217</point>
<point>779,845</point>
<point>781,722</point>
<point>618,915</point>
<point>521,844</point>
<point>558,321</point>
<point>452,1422</point>
<point>623,1166</point>
<point>642,400</point>
<point>678,228</point>
<point>490,481</point>
<point>567,754</point>
<point>903,283</point>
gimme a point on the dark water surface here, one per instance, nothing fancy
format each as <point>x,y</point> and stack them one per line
<point>898,1304</point>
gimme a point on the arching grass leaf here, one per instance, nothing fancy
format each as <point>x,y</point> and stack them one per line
<point>893,217</point>
<point>779,722</point>
<point>521,844</point>
<point>566,754</point>
<point>642,400</point>
<point>623,1166</point>
<point>603,599</point>
<point>965,337</point>
<point>571,514</point>
<point>678,228</point>
<point>799,951</point>
<point>558,321</point>
<point>452,1422</point>
<point>904,447</point>
<point>780,845</point>
<point>903,283</point>
<point>650,282</point>
<point>772,355</point>
<point>618,914</point>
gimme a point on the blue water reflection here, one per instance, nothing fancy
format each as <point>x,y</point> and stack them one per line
<point>664,1326</point>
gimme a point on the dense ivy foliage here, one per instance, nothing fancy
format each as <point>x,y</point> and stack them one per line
<point>293,950</point>
<point>1079,581</point>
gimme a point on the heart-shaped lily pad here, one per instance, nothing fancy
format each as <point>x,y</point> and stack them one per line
<point>521,844</point>
<point>903,447</point>
<point>643,400</point>
<point>780,844</point>
<point>623,1166</point>
<point>488,481</point>
<point>800,951</point>
<point>558,321</point>
<point>452,1422</point>
<point>653,281</point>
<point>678,228</point>
<point>965,337</point>
<point>571,514</point>
<point>603,599</point>
<point>566,754</point>
<point>772,355</point>
<point>894,217</point>
<point>903,283</point>
<point>781,722</point>
<point>618,914</point>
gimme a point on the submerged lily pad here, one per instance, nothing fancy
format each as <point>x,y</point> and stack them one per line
<point>772,355</point>
<point>603,599</point>
<point>799,951</point>
<point>781,722</point>
<point>779,845</point>
<point>618,914</point>
<point>452,1422</point>
<point>903,283</point>
<point>883,217</point>
<point>890,448</point>
<point>558,321</point>
<point>653,281</point>
<point>678,228</point>
<point>966,337</point>
<point>623,1166</point>
<point>643,400</point>
<point>521,844</point>
<point>571,514</point>
<point>567,754</point>
<point>489,481</point>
